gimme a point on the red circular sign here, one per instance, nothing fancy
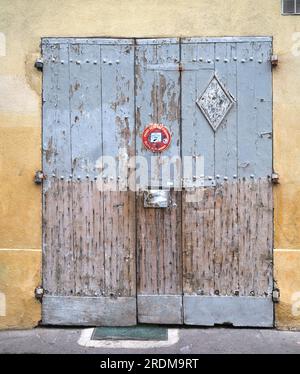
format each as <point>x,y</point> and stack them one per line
<point>156,137</point>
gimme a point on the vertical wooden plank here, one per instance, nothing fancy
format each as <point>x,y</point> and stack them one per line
<point>86,146</point>
<point>263,255</point>
<point>198,139</point>
<point>247,161</point>
<point>226,134</point>
<point>158,230</point>
<point>118,141</point>
<point>263,108</point>
<point>198,244</point>
<point>58,261</point>
<point>226,233</point>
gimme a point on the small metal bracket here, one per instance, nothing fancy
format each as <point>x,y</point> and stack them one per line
<point>39,293</point>
<point>276,295</point>
<point>275,178</point>
<point>39,176</point>
<point>39,64</point>
<point>157,199</point>
<point>274,60</point>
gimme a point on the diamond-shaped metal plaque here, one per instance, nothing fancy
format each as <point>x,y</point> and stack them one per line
<point>215,102</point>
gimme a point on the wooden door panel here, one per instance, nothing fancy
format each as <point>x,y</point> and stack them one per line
<point>159,255</point>
<point>228,235</point>
<point>89,250</point>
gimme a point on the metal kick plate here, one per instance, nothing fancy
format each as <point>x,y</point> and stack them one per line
<point>156,199</point>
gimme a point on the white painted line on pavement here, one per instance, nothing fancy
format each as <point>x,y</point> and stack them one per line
<point>86,335</point>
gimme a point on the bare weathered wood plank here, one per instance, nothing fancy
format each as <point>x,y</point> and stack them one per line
<point>198,244</point>
<point>263,251</point>
<point>226,240</point>
<point>158,248</point>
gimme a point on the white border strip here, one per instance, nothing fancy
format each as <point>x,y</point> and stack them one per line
<point>86,341</point>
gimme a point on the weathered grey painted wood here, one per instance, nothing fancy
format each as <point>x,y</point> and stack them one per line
<point>226,277</point>
<point>158,230</point>
<point>89,311</point>
<point>197,134</point>
<point>264,108</point>
<point>226,134</point>
<point>89,237</point>
<point>118,118</point>
<point>93,41</point>
<point>58,259</point>
<point>160,309</point>
<point>228,310</point>
<point>226,39</point>
<point>56,121</point>
<point>157,41</point>
<point>157,101</point>
<point>85,110</point>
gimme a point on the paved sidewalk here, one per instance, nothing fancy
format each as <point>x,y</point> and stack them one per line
<point>182,341</point>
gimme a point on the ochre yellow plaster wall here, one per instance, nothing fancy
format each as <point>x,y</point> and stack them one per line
<point>24,22</point>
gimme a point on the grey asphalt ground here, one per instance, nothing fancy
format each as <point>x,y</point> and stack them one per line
<point>191,340</point>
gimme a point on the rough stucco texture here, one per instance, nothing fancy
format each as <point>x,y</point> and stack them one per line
<point>24,22</point>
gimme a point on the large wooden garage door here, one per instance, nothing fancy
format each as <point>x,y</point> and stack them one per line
<point>108,257</point>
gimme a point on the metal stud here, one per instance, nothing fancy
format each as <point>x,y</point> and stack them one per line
<point>78,62</point>
<point>225,178</point>
<point>217,59</point>
<point>53,175</point>
<point>62,62</point>
<point>53,59</point>
<point>95,62</point>
<point>251,58</point>
<point>87,61</point>
<point>210,178</point>
<point>87,176</point>
<point>218,176</point>
<point>62,177</point>
<point>109,63</point>
<point>70,176</point>
<point>208,61</point>
<point>200,59</point>
<point>234,58</point>
<point>95,178</point>
<point>235,176</point>
<point>225,60</point>
<point>252,176</point>
<point>260,61</point>
<point>117,61</point>
<point>243,61</point>
<point>194,60</point>
<point>78,177</point>
<point>104,60</point>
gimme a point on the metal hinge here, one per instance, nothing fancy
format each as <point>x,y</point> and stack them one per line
<point>39,64</point>
<point>39,176</point>
<point>275,178</point>
<point>276,295</point>
<point>39,293</point>
<point>274,60</point>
